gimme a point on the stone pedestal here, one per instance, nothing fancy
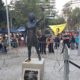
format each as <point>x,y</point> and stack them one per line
<point>34,65</point>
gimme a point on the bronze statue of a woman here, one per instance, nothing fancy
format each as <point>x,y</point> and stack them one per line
<point>31,35</point>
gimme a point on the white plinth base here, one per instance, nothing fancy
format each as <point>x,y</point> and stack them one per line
<point>35,66</point>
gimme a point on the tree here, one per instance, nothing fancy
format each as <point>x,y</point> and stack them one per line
<point>21,10</point>
<point>2,14</point>
<point>55,21</point>
<point>74,19</point>
<point>67,9</point>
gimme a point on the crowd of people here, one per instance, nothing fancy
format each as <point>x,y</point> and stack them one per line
<point>16,41</point>
<point>51,42</point>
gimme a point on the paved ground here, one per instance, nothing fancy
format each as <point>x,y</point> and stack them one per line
<point>11,65</point>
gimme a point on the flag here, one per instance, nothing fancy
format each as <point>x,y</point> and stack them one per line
<point>57,29</point>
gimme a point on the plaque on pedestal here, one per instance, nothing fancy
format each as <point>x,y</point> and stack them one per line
<point>33,70</point>
<point>31,74</point>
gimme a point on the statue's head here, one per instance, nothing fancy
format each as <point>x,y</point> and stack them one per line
<point>31,16</point>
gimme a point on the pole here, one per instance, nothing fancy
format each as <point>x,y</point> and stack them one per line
<point>66,64</point>
<point>8,27</point>
<point>11,20</point>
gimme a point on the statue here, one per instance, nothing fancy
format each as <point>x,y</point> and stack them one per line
<point>31,35</point>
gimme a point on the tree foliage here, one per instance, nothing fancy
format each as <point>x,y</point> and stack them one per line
<point>2,14</point>
<point>55,21</point>
<point>21,10</point>
<point>74,18</point>
<point>67,9</point>
<point>23,7</point>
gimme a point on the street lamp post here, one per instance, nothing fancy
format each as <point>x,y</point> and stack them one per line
<point>8,27</point>
<point>11,21</point>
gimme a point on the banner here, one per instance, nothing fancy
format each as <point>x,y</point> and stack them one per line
<point>57,29</point>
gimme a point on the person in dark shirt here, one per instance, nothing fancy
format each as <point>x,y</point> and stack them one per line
<point>66,41</point>
<point>72,42</point>
<point>57,41</point>
<point>43,44</point>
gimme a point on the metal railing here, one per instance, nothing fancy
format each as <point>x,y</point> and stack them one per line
<point>66,63</point>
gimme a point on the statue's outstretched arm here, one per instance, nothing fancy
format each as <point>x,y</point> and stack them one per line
<point>38,21</point>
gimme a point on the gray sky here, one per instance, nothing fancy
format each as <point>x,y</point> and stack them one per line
<point>59,3</point>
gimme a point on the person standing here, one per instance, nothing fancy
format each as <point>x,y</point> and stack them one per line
<point>43,44</point>
<point>72,42</point>
<point>57,42</point>
<point>4,43</point>
<point>66,41</point>
<point>77,40</point>
<point>50,44</point>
